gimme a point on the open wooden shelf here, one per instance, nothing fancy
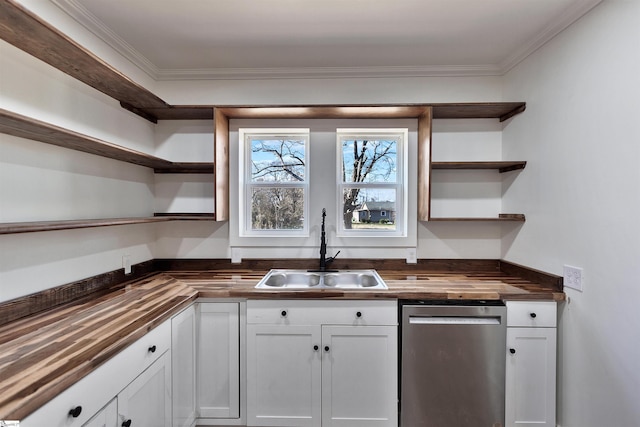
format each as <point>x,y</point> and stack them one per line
<point>184,216</point>
<point>25,127</point>
<point>36,226</point>
<point>478,110</point>
<point>500,218</point>
<point>187,167</point>
<point>501,166</point>
<point>495,110</point>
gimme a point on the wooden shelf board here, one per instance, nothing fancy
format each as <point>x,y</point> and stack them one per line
<point>172,112</point>
<point>501,166</point>
<point>183,167</point>
<point>26,127</point>
<point>182,112</point>
<point>40,39</point>
<point>322,111</point>
<point>37,226</point>
<point>497,110</point>
<point>480,110</point>
<point>500,218</point>
<point>186,216</point>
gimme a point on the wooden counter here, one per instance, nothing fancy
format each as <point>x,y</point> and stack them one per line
<point>402,285</point>
<point>42,355</point>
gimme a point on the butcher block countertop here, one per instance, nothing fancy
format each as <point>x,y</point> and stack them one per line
<point>43,354</point>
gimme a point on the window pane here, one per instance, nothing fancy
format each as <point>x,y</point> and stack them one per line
<point>277,160</point>
<point>369,160</point>
<point>277,208</point>
<point>369,209</point>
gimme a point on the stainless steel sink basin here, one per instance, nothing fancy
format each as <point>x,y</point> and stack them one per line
<point>309,280</point>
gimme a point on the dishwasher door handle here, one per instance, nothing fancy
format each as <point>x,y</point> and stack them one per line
<point>454,320</point>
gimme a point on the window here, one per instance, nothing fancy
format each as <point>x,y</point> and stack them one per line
<point>274,180</point>
<point>372,182</point>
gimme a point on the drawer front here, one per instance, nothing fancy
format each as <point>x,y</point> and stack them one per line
<point>95,390</point>
<point>320,312</point>
<point>534,314</point>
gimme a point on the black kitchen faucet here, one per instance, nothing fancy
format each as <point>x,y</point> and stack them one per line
<point>324,261</point>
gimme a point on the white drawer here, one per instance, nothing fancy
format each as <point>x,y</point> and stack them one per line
<point>322,312</point>
<point>96,389</point>
<point>535,314</point>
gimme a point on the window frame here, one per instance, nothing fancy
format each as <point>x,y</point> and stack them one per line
<point>401,186</point>
<point>247,185</point>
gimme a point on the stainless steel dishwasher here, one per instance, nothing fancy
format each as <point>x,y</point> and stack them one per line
<point>452,364</point>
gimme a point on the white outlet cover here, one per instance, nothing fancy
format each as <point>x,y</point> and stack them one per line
<point>573,277</point>
<point>126,263</point>
<point>412,256</point>
<point>236,256</point>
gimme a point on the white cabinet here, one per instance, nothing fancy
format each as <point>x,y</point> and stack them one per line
<point>88,396</point>
<point>359,376</point>
<point>146,402</point>
<point>107,417</point>
<point>283,375</point>
<point>531,364</point>
<point>183,367</point>
<point>218,363</point>
<point>322,363</point>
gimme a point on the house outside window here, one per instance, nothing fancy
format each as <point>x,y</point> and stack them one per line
<point>372,182</point>
<point>274,180</point>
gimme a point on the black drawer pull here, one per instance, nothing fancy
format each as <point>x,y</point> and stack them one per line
<point>533,315</point>
<point>152,349</point>
<point>283,313</point>
<point>512,350</point>
<point>359,314</point>
<point>126,423</point>
<point>75,412</point>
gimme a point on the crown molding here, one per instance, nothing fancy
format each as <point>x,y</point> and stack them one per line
<point>88,20</point>
<point>555,27</point>
<point>327,72</point>
<point>80,14</point>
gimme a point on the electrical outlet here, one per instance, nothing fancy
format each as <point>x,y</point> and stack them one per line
<point>573,277</point>
<point>236,256</point>
<point>412,258</point>
<point>126,263</point>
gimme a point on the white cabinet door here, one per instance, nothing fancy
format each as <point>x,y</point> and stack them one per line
<point>147,400</point>
<point>183,367</point>
<point>283,375</point>
<point>218,360</point>
<point>531,377</point>
<point>359,376</point>
<point>107,417</point>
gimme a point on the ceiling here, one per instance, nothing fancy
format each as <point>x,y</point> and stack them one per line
<point>186,39</point>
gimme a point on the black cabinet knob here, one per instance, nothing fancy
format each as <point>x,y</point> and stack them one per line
<point>326,348</point>
<point>512,350</point>
<point>315,348</point>
<point>283,313</point>
<point>75,412</point>
<point>359,314</point>
<point>126,423</point>
<point>152,349</point>
<point>533,315</point>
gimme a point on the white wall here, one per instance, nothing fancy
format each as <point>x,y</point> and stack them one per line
<point>43,182</point>
<point>581,193</point>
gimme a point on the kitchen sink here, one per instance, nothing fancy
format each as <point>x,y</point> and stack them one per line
<point>310,280</point>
